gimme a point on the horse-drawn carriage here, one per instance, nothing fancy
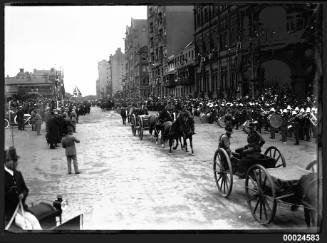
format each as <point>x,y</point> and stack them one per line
<point>267,182</point>
<point>49,216</point>
<point>135,114</point>
<point>142,124</point>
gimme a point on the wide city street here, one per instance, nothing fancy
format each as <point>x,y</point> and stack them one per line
<point>128,183</point>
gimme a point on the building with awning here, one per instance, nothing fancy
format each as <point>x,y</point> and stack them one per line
<point>47,83</point>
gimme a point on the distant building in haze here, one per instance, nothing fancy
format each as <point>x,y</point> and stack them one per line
<point>117,67</point>
<point>104,77</point>
<point>47,83</point>
<point>137,79</point>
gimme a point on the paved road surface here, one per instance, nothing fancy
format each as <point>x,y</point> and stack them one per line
<point>131,184</point>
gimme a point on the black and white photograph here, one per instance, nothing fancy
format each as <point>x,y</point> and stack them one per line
<point>163,117</point>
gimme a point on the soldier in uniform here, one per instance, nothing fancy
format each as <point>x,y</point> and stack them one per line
<point>307,124</point>
<point>283,127</point>
<point>187,113</point>
<point>255,142</point>
<point>295,121</point>
<point>272,129</point>
<point>228,119</point>
<point>301,124</point>
<point>251,151</point>
<point>164,115</point>
<point>224,140</point>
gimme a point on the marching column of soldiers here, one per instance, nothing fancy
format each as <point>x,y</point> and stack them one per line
<point>273,112</point>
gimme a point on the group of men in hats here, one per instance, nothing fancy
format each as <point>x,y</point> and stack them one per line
<point>251,151</point>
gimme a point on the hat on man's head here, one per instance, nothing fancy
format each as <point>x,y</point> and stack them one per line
<point>10,154</point>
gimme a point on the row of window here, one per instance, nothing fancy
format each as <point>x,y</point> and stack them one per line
<point>205,14</point>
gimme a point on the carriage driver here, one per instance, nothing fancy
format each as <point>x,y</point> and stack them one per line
<point>224,140</point>
<point>255,141</point>
<point>164,115</point>
<point>188,114</point>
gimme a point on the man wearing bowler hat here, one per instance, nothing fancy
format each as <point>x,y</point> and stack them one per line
<point>16,193</point>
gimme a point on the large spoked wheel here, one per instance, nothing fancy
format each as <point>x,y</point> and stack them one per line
<point>261,194</point>
<point>312,166</point>
<point>6,123</point>
<point>275,154</point>
<point>223,172</point>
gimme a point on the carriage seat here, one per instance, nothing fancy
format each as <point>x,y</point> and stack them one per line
<point>45,213</point>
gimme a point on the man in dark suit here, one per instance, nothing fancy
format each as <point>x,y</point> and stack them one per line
<point>16,191</point>
<point>53,132</point>
<point>20,118</point>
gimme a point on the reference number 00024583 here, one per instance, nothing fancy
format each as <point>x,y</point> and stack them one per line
<point>301,237</point>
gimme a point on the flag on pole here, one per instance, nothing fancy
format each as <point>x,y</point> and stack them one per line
<point>77,92</point>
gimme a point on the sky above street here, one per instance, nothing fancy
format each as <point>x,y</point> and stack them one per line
<point>73,39</point>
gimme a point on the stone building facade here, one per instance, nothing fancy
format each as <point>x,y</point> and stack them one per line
<point>241,49</point>
<point>170,29</point>
<point>104,77</point>
<point>136,80</point>
<point>47,83</point>
<point>118,71</point>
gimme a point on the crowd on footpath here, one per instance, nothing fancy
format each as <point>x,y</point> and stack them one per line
<point>298,117</point>
<point>60,117</point>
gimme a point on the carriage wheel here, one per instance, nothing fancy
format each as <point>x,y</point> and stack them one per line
<point>6,123</point>
<point>141,132</point>
<point>312,166</point>
<point>223,172</point>
<point>274,153</point>
<point>261,194</point>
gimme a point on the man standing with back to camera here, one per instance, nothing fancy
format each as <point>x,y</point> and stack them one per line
<point>68,142</point>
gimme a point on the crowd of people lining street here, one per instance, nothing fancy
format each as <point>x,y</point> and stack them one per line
<point>60,119</point>
<point>297,117</point>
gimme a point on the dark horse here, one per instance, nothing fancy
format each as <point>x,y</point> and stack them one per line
<point>172,131</point>
<point>123,113</point>
<point>186,129</point>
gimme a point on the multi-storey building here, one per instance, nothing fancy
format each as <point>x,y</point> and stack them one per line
<point>179,72</point>
<point>104,79</point>
<point>241,49</point>
<point>97,83</point>
<point>47,83</point>
<point>118,71</point>
<point>170,29</point>
<point>136,82</point>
